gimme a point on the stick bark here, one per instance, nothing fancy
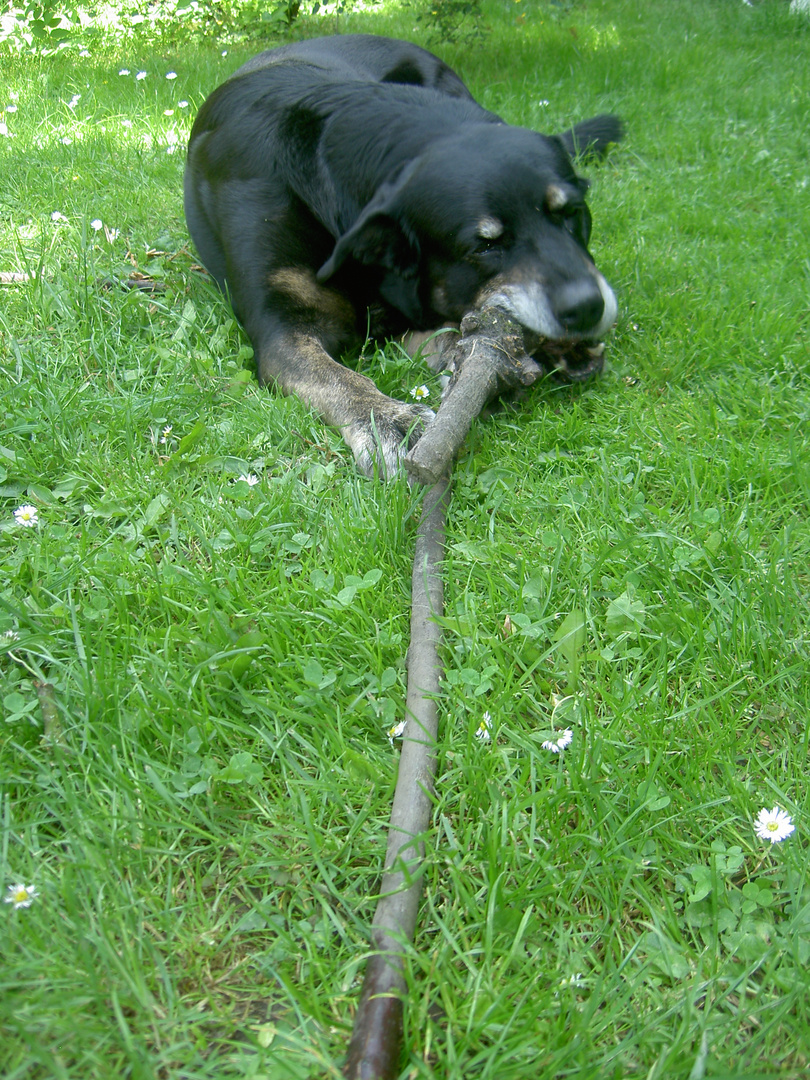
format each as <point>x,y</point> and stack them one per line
<point>489,357</point>
<point>376,1043</point>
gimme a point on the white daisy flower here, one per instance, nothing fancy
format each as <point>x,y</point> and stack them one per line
<point>420,392</point>
<point>577,979</point>
<point>557,745</point>
<point>140,76</point>
<point>11,108</point>
<point>397,731</point>
<point>249,479</point>
<point>97,224</point>
<point>4,131</point>
<point>171,75</point>
<point>21,895</point>
<point>56,216</point>
<point>182,104</point>
<point>124,71</point>
<point>10,636</point>
<point>484,729</point>
<point>74,101</point>
<point>165,434</point>
<point>774,825</point>
<point>26,516</point>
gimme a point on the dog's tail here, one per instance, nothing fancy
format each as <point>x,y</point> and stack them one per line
<point>592,138</point>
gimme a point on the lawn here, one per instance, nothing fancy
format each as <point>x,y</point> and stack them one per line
<point>198,671</point>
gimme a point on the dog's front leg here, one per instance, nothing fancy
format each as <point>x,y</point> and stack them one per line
<point>378,429</point>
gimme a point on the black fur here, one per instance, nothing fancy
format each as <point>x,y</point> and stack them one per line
<point>352,183</point>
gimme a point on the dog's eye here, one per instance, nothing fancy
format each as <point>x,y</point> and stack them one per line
<point>484,245</point>
<point>568,212</point>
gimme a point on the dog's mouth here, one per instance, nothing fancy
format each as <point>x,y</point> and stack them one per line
<point>568,361</point>
<point>574,362</point>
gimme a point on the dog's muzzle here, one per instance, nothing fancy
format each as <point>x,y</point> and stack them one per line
<point>563,330</point>
<point>579,310</point>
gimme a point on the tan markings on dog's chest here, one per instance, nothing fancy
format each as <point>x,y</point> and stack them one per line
<point>299,285</point>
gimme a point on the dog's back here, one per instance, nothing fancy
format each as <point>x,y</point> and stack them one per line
<point>365,56</point>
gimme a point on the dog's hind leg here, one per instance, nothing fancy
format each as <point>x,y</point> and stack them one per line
<point>431,345</point>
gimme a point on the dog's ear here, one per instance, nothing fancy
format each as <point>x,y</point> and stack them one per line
<point>380,237</point>
<point>376,239</point>
<point>380,240</point>
<point>590,140</point>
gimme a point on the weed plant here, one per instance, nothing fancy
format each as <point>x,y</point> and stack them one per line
<point>198,671</point>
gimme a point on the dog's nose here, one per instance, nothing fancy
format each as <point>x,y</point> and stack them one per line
<point>579,305</point>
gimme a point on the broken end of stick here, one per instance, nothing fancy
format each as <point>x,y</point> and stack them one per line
<point>375,1049</point>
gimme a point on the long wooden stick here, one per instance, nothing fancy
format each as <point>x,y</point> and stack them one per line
<point>375,1047</point>
<point>376,1043</point>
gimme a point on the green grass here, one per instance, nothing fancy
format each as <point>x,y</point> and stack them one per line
<point>203,813</point>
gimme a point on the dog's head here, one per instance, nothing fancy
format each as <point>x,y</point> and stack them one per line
<point>492,215</point>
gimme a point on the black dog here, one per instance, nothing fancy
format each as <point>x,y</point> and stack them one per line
<point>351,186</point>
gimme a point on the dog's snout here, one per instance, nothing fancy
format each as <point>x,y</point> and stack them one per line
<point>579,305</point>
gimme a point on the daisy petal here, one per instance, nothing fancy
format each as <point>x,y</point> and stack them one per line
<point>773,825</point>
<point>484,729</point>
<point>21,896</point>
<point>26,516</point>
<point>559,743</point>
<point>396,731</point>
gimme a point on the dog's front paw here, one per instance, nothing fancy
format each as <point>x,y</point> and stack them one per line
<point>381,440</point>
